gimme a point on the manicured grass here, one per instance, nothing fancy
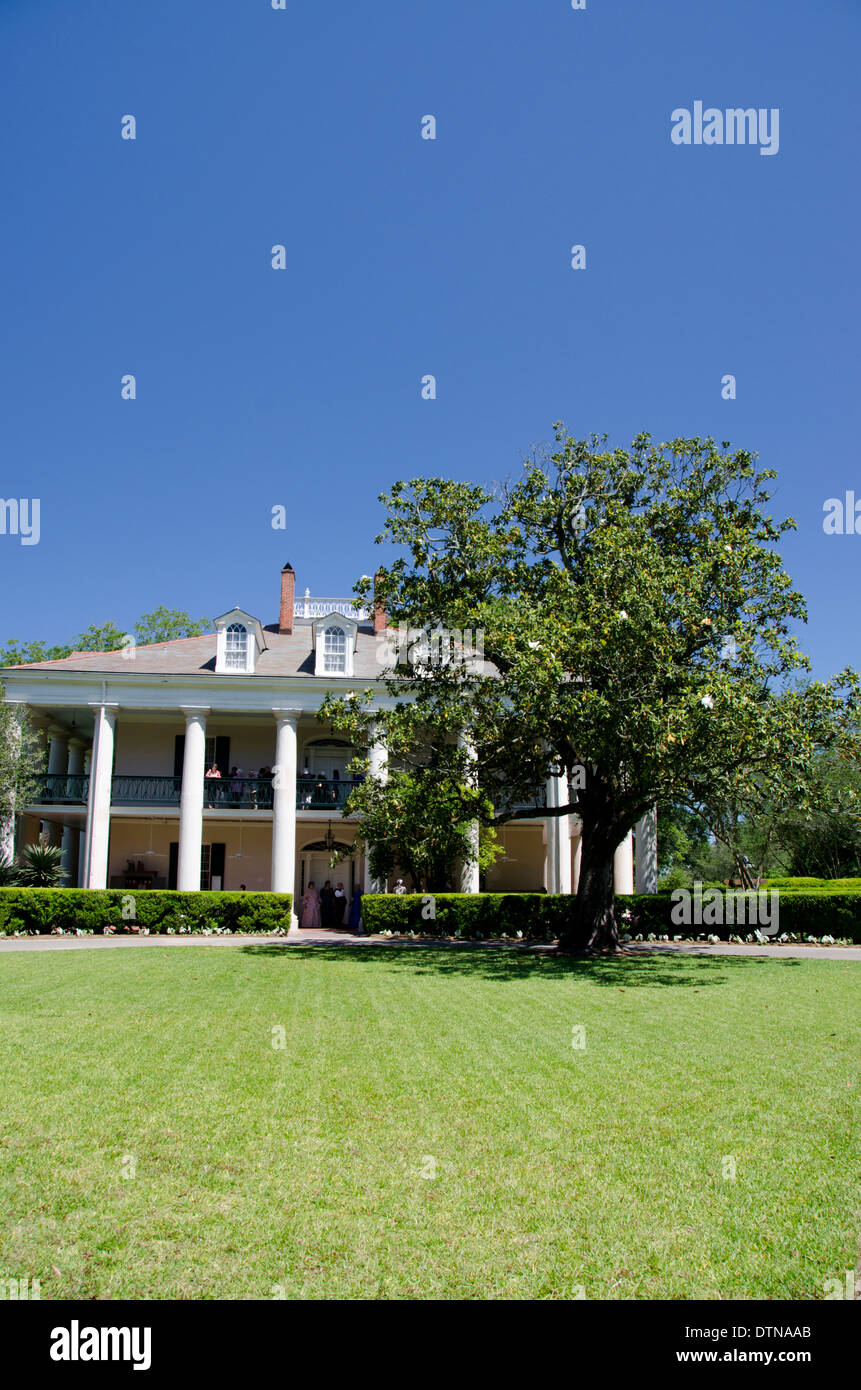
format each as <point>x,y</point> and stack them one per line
<point>429,1130</point>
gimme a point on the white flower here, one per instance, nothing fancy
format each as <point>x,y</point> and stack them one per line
<point>623,615</point>
<point>708,701</point>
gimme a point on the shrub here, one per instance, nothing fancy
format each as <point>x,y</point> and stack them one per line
<point>815,912</point>
<point>537,916</point>
<point>541,916</point>
<point>40,911</point>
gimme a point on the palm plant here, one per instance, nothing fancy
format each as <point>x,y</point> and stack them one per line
<point>41,866</point>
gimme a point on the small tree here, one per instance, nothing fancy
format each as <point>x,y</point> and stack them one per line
<point>422,815</point>
<point>20,759</point>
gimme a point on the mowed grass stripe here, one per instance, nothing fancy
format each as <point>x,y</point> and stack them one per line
<point>428,1129</point>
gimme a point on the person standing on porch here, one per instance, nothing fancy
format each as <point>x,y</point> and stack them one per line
<point>310,908</point>
<point>338,905</point>
<point>327,904</point>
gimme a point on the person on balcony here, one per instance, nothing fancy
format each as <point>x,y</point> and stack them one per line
<point>336,780</point>
<point>310,908</point>
<point>212,775</point>
<point>236,784</point>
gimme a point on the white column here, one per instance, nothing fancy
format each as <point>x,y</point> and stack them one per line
<point>378,768</point>
<point>71,833</point>
<point>551,842</point>
<point>284,804</point>
<point>623,865</point>
<point>191,801</point>
<point>647,851</point>
<point>563,837</point>
<point>99,805</point>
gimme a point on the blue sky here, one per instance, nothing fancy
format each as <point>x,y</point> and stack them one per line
<point>405,257</point>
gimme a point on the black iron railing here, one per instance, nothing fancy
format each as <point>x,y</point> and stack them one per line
<point>219,793</point>
<point>65,788</point>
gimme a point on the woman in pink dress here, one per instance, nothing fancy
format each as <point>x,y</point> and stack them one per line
<point>310,907</point>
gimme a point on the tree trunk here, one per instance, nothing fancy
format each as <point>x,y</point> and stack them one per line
<point>593,927</point>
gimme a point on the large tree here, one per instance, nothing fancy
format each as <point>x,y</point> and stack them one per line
<point>637,623</point>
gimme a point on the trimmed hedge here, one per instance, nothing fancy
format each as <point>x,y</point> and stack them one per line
<point>815,913</point>
<point>538,916</point>
<point>815,885</point>
<point>541,916</point>
<point>39,911</point>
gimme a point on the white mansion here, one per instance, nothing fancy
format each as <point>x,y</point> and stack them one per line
<point>132,738</point>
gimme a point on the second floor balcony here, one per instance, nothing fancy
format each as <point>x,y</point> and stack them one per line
<point>219,793</point>
<point>313,793</point>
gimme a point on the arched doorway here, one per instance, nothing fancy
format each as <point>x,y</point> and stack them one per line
<point>314,866</point>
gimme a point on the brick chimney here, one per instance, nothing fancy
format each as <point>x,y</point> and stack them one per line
<point>288,590</point>
<point>381,619</point>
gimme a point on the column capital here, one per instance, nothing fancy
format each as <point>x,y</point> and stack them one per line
<point>291,715</point>
<point>190,711</point>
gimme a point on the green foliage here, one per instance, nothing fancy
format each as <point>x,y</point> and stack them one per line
<point>418,820</point>
<point>169,625</point>
<point>823,836</point>
<point>41,866</point>
<point>542,916</point>
<point>638,623</point>
<point>161,625</point>
<point>21,759</point>
<point>538,916</point>
<point>39,911</point>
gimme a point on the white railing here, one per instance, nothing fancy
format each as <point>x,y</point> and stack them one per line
<point>309,607</point>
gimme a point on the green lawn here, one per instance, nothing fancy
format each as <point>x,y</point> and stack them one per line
<point>429,1130</point>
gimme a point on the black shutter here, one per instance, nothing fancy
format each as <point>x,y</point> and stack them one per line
<point>173,864</point>
<point>222,757</point>
<point>178,755</point>
<point>216,862</point>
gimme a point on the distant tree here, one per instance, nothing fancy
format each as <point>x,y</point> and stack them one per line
<point>161,625</point>
<point>169,625</point>
<point>24,654</point>
<point>823,839</point>
<point>99,637</point>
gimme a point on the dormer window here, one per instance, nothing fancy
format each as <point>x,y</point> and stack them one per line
<point>236,648</point>
<point>334,637</point>
<point>334,651</point>
<point>239,643</point>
